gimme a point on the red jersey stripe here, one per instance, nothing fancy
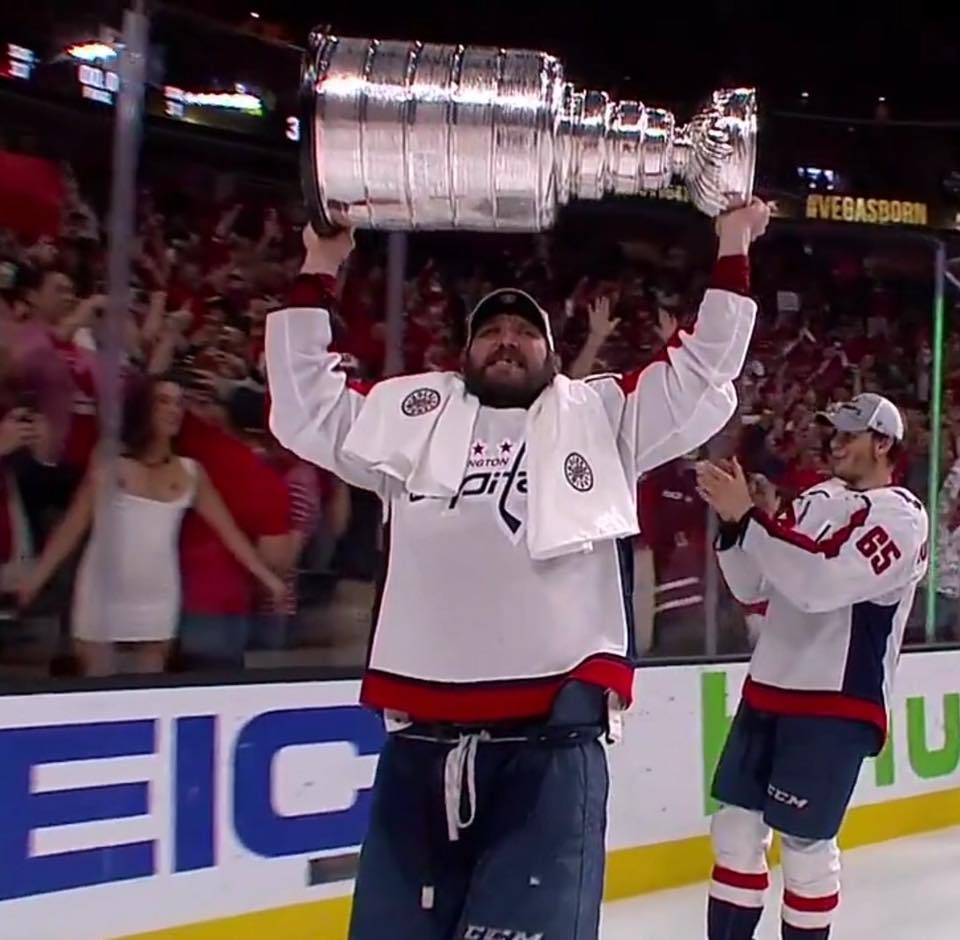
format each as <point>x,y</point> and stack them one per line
<point>768,698</point>
<point>629,380</point>
<point>732,273</point>
<point>828,547</point>
<point>361,386</point>
<point>489,701</point>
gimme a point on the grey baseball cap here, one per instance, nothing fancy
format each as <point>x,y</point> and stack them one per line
<point>866,412</point>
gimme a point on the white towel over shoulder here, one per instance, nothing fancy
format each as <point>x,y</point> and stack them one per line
<point>580,493</point>
<point>418,429</point>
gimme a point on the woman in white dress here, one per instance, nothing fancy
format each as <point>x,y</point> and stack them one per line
<point>128,584</point>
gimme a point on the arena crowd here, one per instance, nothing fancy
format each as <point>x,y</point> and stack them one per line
<point>288,578</point>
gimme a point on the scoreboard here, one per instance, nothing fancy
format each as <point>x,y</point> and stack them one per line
<point>88,71</point>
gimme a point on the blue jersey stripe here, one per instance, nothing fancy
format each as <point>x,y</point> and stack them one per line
<point>870,628</point>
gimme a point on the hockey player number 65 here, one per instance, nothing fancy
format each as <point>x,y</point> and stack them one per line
<point>879,548</point>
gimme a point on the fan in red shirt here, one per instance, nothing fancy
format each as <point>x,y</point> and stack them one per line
<point>673,520</point>
<point>219,595</point>
<point>248,418</point>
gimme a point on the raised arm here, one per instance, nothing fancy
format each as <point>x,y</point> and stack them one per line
<point>313,405</point>
<point>602,326</point>
<point>686,395</point>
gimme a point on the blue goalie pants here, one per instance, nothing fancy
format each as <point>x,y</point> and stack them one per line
<point>488,832</point>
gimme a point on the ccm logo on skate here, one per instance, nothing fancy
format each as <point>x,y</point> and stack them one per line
<point>203,770</point>
<point>497,933</point>
<point>781,796</point>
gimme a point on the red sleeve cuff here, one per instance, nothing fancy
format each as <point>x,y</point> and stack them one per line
<point>312,290</point>
<point>732,273</point>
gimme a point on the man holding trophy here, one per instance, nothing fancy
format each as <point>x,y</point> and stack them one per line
<point>501,654</point>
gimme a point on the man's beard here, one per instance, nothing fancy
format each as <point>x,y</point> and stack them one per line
<point>498,394</point>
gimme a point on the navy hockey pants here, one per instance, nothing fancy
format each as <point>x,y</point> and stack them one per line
<point>798,771</point>
<point>795,774</point>
<point>480,833</point>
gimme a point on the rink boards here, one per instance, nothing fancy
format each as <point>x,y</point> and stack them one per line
<point>236,811</point>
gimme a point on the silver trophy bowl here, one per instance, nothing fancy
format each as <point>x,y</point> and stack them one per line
<point>408,135</point>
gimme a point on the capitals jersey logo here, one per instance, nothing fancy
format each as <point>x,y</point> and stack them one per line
<point>494,475</point>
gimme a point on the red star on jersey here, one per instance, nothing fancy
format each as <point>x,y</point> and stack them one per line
<point>506,447</point>
<point>478,449</point>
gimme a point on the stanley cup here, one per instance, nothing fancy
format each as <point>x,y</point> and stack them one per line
<point>407,135</point>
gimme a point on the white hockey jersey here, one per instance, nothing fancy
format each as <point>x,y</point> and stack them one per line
<point>839,575</point>
<point>469,627</point>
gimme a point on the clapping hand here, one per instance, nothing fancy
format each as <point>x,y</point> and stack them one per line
<point>726,490</point>
<point>762,491</point>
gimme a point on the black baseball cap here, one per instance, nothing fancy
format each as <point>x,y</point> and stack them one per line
<point>514,302</point>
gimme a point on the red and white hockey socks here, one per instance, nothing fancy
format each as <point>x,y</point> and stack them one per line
<point>811,887</point>
<point>740,878</point>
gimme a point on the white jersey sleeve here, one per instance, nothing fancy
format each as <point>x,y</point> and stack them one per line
<point>312,403</point>
<point>740,571</point>
<point>742,575</point>
<point>685,395</point>
<point>870,546</point>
